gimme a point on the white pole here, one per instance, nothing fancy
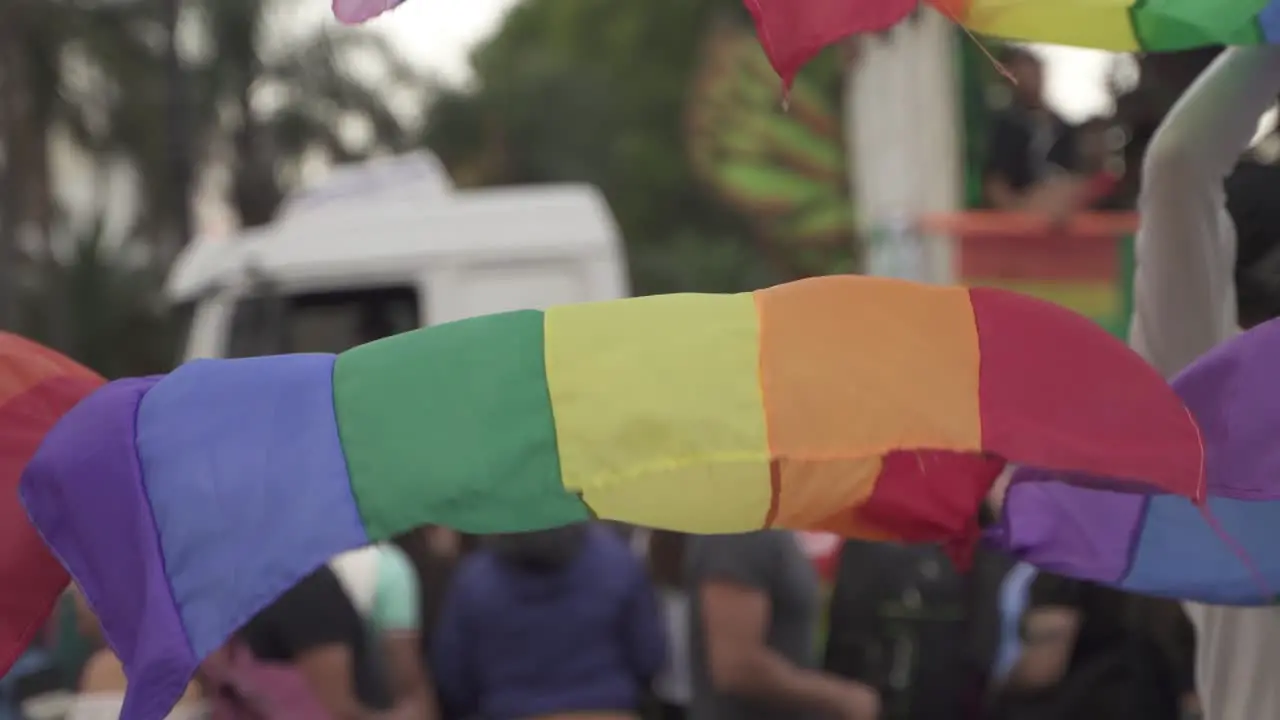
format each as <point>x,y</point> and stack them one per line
<point>904,134</point>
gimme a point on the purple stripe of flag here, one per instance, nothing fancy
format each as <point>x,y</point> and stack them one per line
<point>1067,529</point>
<point>84,493</point>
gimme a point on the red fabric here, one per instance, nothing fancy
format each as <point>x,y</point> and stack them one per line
<point>794,31</point>
<point>1108,413</point>
<point>31,577</point>
<point>930,497</point>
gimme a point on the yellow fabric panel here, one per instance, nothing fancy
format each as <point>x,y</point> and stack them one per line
<point>1101,24</point>
<point>658,410</point>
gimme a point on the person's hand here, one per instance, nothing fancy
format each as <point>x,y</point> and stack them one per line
<point>860,703</point>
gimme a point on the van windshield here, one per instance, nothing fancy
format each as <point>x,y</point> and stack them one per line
<point>329,322</point>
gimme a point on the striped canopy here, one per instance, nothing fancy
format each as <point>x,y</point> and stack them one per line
<point>793,31</point>
<point>873,408</point>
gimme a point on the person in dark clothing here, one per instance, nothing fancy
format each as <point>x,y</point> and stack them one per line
<point>904,621</point>
<point>1029,146</point>
<point>315,628</point>
<point>546,624</point>
<point>1096,652</point>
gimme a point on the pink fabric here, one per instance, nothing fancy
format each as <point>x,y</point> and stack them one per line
<point>247,688</point>
<point>353,12</point>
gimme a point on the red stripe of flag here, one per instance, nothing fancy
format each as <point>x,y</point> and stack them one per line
<point>794,31</point>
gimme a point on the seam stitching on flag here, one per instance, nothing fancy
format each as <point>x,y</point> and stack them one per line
<point>155,528</point>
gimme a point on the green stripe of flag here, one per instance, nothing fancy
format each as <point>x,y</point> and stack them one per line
<point>1182,24</point>
<point>452,425</point>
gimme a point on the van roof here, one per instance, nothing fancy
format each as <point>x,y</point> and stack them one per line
<point>395,232</point>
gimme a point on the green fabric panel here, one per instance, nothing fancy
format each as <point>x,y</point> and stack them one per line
<point>452,425</point>
<point>1183,24</point>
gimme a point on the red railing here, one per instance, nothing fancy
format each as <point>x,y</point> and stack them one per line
<point>1090,225</point>
<point>1086,263</point>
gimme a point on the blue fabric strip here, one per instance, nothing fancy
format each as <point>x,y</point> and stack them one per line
<point>1179,554</point>
<point>242,462</point>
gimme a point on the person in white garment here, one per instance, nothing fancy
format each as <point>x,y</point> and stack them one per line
<point>1200,207</point>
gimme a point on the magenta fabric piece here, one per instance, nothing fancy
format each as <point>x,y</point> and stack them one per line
<point>353,12</point>
<point>84,491</point>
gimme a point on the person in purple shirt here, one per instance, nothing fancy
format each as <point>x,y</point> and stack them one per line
<point>548,623</point>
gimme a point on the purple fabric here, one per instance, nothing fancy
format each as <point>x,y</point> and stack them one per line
<point>1078,531</point>
<point>84,492</point>
<point>245,472</point>
<point>1234,396</point>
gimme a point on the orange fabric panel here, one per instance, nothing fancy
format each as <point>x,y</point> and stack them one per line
<point>853,368</point>
<point>806,488</point>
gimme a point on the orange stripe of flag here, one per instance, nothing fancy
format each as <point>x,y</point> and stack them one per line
<point>854,368</point>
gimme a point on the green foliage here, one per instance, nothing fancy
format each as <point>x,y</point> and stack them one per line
<point>597,91</point>
<point>784,168</point>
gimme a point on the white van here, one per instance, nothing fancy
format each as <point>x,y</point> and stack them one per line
<point>331,275</point>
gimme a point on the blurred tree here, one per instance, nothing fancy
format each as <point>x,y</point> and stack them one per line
<point>49,52</point>
<point>262,103</point>
<point>112,318</point>
<point>281,104</point>
<point>785,170</point>
<point>596,91</point>
<point>89,79</point>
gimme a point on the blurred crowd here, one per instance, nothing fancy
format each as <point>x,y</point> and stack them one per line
<point>603,622</point>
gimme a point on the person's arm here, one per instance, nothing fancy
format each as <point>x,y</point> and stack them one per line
<point>1184,291</point>
<point>398,617</point>
<point>734,576</point>
<point>1050,626</point>
<point>645,636</point>
<point>308,619</point>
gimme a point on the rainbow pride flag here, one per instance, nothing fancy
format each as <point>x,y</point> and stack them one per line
<point>873,408</point>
